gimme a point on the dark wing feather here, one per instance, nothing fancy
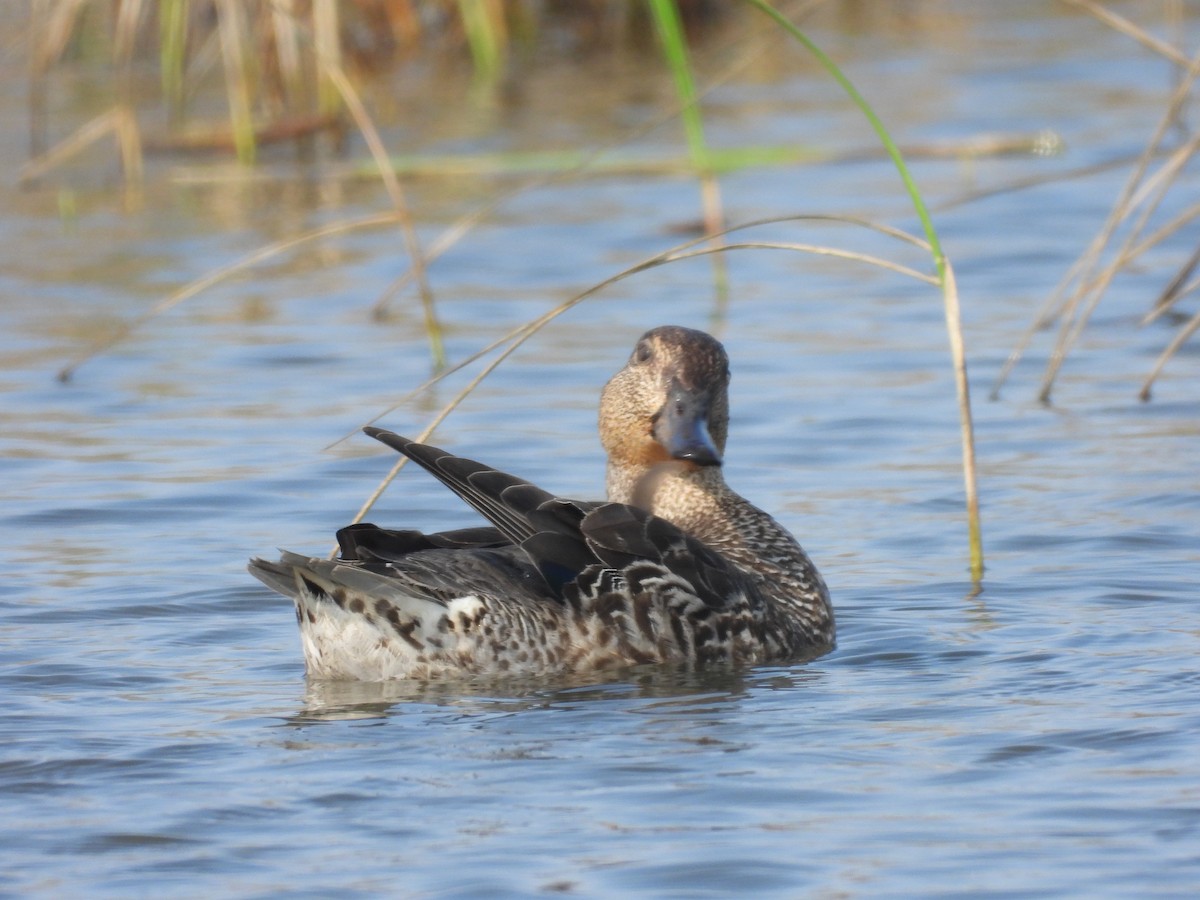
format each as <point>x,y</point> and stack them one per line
<point>433,575</point>
<point>370,543</point>
<point>621,536</point>
<point>545,527</point>
<point>444,575</point>
<point>504,500</point>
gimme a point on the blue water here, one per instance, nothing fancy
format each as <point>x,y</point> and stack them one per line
<point>1036,737</point>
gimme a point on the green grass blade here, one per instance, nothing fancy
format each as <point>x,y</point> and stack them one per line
<point>173,41</point>
<point>674,43</point>
<point>484,39</point>
<point>945,279</point>
<point>231,24</point>
<point>876,123</point>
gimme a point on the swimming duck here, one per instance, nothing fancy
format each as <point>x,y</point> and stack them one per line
<point>673,568</point>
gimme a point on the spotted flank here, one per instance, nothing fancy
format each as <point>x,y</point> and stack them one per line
<point>673,568</point>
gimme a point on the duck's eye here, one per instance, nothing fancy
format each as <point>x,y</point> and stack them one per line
<point>643,352</point>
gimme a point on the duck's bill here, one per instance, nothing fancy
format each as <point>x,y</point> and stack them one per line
<point>681,427</point>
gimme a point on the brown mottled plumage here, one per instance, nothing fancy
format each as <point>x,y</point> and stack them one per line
<point>674,567</point>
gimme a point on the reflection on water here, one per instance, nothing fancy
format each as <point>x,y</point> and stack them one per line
<point>1036,737</point>
<point>337,700</point>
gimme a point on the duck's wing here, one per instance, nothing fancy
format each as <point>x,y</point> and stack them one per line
<point>625,537</point>
<point>545,527</point>
<point>392,564</point>
<point>370,543</point>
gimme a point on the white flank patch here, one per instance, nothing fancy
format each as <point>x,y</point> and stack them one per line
<point>468,606</point>
<point>344,644</point>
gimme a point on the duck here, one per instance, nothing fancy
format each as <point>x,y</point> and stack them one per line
<point>673,568</point>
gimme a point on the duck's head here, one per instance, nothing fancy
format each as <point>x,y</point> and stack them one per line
<point>669,403</point>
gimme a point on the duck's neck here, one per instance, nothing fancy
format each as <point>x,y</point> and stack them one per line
<point>619,481</point>
<point>684,494</point>
<point>697,500</point>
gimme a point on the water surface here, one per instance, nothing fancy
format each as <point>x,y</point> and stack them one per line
<point>1036,737</point>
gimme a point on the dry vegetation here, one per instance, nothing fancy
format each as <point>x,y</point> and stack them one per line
<point>292,71</point>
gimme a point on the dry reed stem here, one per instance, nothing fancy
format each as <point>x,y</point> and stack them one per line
<point>1125,202</point>
<point>458,229</point>
<point>218,138</point>
<point>328,46</point>
<point>1129,29</point>
<point>428,430</point>
<point>461,227</point>
<point>56,31</point>
<point>1179,287</point>
<point>129,139</point>
<point>214,277</point>
<point>887,230</point>
<point>672,257</point>
<point>381,219</point>
<point>1164,178</point>
<point>569,163</point>
<point>1033,181</point>
<point>287,49</point>
<point>966,423</point>
<point>1045,315</point>
<point>814,249</point>
<point>204,59</point>
<point>1081,271</point>
<point>1129,253</point>
<point>688,250</point>
<point>442,243</point>
<point>231,26</point>
<point>83,137</point>
<point>1127,256</point>
<point>129,14</point>
<point>1184,333</point>
<point>1074,320</point>
<point>1149,197</point>
<point>1166,230</point>
<point>714,221</point>
<point>412,243</point>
